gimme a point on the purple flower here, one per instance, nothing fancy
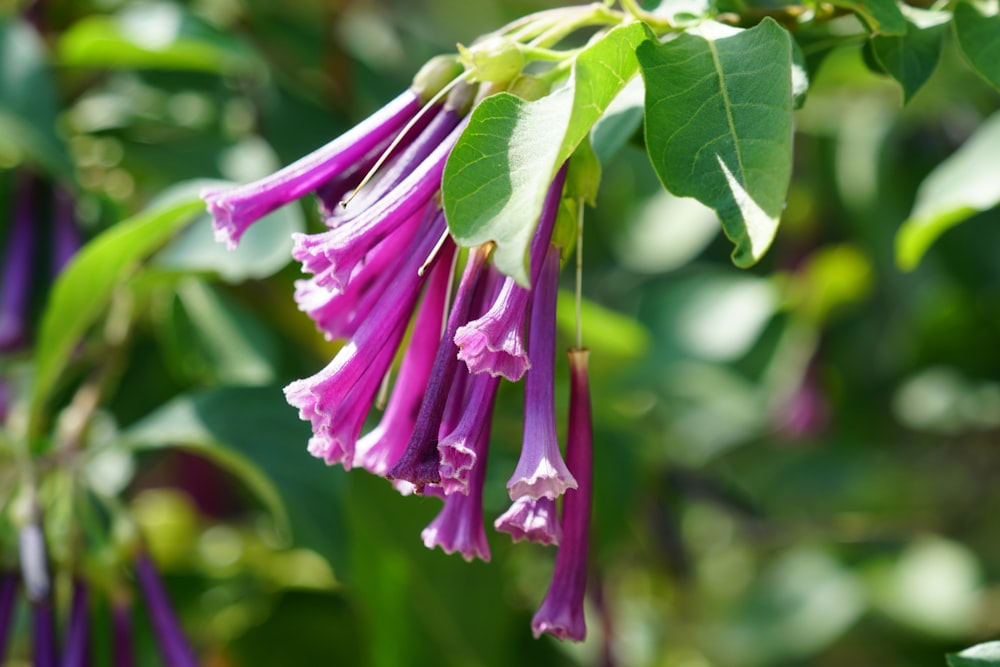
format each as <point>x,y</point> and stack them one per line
<point>332,256</point>
<point>334,398</point>
<point>379,450</point>
<point>235,209</point>
<point>8,600</point>
<point>15,286</point>
<point>121,630</point>
<point>67,237</point>
<point>540,470</point>
<point>459,525</point>
<point>420,461</point>
<point>77,639</point>
<point>561,613</point>
<point>174,647</point>
<point>459,450</point>
<point>532,519</point>
<point>494,343</point>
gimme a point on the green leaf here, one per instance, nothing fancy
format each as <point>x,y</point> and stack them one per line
<point>980,655</point>
<point>910,58</point>
<point>256,436</point>
<point>965,184</point>
<point>86,285</point>
<point>719,125</point>
<point>499,172</point>
<point>979,39</point>
<point>883,17</point>
<point>28,103</point>
<point>156,35</point>
<point>216,340</point>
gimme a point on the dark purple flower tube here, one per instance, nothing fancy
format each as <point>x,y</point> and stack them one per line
<point>8,600</point>
<point>121,631</point>
<point>76,653</point>
<point>494,342</point>
<point>459,525</point>
<point>15,286</point>
<point>540,470</point>
<point>67,240</point>
<point>174,647</point>
<point>379,449</point>
<point>323,396</point>
<point>531,519</point>
<point>561,614</point>
<point>420,461</point>
<point>235,209</point>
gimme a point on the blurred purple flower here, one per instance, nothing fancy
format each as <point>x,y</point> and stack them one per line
<point>8,603</point>
<point>174,646</point>
<point>77,635</point>
<point>16,283</point>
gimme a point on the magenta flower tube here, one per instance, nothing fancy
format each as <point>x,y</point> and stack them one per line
<point>235,209</point>
<point>458,450</point>
<point>78,634</point>
<point>541,471</point>
<point>459,525</point>
<point>561,613</point>
<point>321,397</point>
<point>333,255</point>
<point>379,450</point>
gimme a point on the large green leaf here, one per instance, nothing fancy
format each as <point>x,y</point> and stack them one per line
<point>965,184</point>
<point>719,125</point>
<point>980,655</point>
<point>911,57</point>
<point>252,433</point>
<point>883,17</point>
<point>157,35</point>
<point>499,171</point>
<point>28,103</point>
<point>86,285</point>
<point>979,38</point>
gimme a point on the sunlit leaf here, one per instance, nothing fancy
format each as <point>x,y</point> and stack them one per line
<point>980,655</point>
<point>156,35</point>
<point>499,172</point>
<point>965,184</point>
<point>883,17</point>
<point>719,125</point>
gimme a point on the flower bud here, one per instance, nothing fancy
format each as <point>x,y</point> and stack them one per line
<point>495,59</point>
<point>436,73</point>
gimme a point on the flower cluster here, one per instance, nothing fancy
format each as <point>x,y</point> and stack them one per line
<point>385,265</point>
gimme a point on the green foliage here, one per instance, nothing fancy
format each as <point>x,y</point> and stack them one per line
<point>498,173</point>
<point>966,183</point>
<point>981,655</point>
<point>28,101</point>
<point>977,37</point>
<point>719,125</point>
<point>85,288</point>
<point>911,57</point>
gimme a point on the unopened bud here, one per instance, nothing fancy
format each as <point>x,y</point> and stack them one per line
<point>436,73</point>
<point>528,87</point>
<point>495,59</point>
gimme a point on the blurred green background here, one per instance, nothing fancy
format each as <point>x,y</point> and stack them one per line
<point>795,464</point>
